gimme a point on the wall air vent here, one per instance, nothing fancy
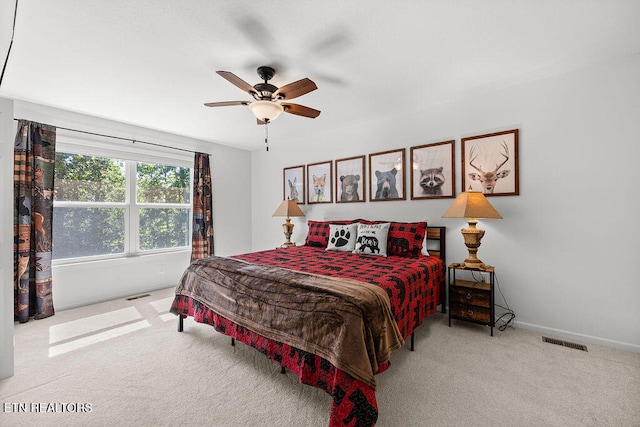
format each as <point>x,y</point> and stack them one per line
<point>565,343</point>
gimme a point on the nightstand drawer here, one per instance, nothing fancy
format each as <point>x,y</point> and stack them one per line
<point>467,295</point>
<point>470,312</point>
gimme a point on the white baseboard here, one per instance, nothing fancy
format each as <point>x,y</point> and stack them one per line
<point>578,338</point>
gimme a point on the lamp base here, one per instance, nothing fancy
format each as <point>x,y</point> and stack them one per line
<point>474,265</point>
<point>472,237</point>
<point>287,227</point>
<point>286,245</point>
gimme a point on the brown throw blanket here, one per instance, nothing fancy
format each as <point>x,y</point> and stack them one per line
<point>347,322</point>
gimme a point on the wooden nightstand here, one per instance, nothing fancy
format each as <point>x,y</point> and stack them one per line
<point>471,300</point>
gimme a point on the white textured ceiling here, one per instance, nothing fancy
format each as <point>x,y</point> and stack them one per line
<point>152,62</point>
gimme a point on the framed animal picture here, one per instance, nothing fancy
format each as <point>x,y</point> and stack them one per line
<point>319,183</point>
<point>433,171</point>
<point>350,180</point>
<point>293,183</point>
<point>490,163</point>
<point>386,176</point>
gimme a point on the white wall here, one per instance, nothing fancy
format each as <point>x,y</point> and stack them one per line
<point>565,253</point>
<point>6,239</point>
<point>89,282</point>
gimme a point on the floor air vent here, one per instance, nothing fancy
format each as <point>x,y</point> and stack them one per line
<point>137,296</point>
<point>565,343</point>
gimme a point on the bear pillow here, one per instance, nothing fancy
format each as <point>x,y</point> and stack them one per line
<point>342,237</point>
<point>372,239</point>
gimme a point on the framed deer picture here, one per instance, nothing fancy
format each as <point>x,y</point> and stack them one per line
<point>490,163</point>
<point>293,183</point>
<point>433,171</point>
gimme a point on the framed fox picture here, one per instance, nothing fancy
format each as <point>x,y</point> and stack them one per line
<point>319,183</point>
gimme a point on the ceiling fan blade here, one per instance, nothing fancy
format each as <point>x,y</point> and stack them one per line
<point>295,89</point>
<point>300,110</point>
<point>226,103</point>
<point>237,81</point>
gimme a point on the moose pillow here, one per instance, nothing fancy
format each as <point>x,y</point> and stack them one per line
<point>372,239</point>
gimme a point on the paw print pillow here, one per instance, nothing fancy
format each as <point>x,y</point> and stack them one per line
<point>372,239</point>
<point>342,237</point>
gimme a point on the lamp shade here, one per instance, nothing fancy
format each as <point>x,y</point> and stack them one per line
<point>471,204</point>
<point>288,208</point>
<point>266,110</point>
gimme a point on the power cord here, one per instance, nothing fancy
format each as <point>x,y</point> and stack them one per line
<point>13,31</point>
<point>509,314</point>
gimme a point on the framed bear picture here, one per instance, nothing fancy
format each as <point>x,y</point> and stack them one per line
<point>433,171</point>
<point>293,184</point>
<point>350,182</point>
<point>319,183</point>
<point>386,176</point>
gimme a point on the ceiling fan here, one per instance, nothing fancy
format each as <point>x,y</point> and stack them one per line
<point>267,105</point>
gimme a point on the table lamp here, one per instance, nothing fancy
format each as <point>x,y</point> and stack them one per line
<point>288,208</point>
<point>472,205</point>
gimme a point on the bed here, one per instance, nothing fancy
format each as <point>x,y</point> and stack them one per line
<point>331,317</point>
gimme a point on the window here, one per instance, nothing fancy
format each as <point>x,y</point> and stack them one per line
<point>105,207</point>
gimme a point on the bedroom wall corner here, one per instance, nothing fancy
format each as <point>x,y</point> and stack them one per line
<point>6,238</point>
<point>565,253</point>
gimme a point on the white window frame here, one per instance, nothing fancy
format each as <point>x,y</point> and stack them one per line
<point>74,145</point>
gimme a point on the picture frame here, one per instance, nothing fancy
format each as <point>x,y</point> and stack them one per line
<point>387,176</point>
<point>320,182</point>
<point>293,183</point>
<point>490,163</point>
<point>433,171</point>
<point>350,180</point>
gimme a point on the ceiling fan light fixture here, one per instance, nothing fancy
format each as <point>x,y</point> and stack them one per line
<point>266,110</point>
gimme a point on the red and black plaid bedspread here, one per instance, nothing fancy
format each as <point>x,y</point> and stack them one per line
<point>413,286</point>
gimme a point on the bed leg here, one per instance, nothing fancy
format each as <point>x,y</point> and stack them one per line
<point>233,342</point>
<point>412,341</point>
<point>282,370</point>
<point>180,322</point>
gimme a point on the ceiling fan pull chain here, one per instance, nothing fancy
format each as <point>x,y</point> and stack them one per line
<point>266,133</point>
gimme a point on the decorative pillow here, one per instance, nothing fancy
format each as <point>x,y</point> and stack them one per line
<point>372,239</point>
<point>342,237</point>
<point>424,251</point>
<point>318,234</point>
<point>406,238</point>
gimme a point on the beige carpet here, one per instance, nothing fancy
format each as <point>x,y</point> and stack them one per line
<point>123,363</point>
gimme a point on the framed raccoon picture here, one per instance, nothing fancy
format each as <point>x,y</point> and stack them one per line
<point>433,171</point>
<point>350,181</point>
<point>293,183</point>
<point>490,163</point>
<point>386,176</point>
<point>319,183</point>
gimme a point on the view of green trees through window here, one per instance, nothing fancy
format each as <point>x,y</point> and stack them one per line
<point>94,216</point>
<point>162,192</point>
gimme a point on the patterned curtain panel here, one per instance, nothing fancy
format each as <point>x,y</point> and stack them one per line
<point>202,240</point>
<point>34,157</point>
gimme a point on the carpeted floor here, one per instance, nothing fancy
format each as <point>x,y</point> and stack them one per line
<point>123,363</point>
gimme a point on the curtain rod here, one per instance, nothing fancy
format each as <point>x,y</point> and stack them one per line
<point>123,139</point>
